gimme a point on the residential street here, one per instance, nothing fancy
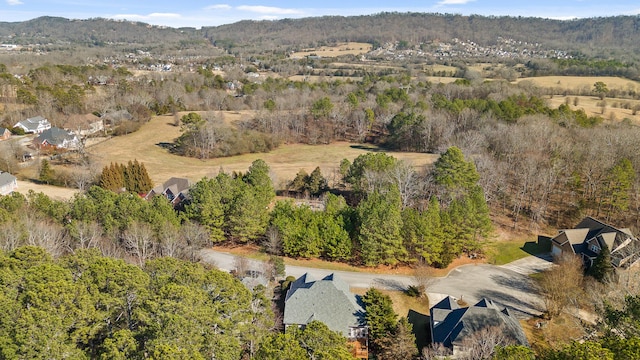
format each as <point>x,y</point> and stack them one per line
<point>507,285</point>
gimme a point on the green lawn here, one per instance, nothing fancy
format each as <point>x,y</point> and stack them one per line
<point>503,252</point>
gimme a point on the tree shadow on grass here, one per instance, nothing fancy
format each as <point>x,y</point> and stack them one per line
<point>369,148</point>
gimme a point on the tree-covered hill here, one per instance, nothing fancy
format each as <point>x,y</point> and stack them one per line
<point>605,36</point>
<point>620,33</point>
<point>93,32</point>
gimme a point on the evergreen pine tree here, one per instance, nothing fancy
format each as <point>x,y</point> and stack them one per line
<point>602,269</point>
<point>46,174</point>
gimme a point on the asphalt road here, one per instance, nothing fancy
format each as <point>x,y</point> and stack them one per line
<point>507,285</point>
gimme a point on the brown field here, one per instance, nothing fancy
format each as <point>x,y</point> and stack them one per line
<point>54,192</point>
<point>437,67</point>
<point>578,82</point>
<point>613,110</point>
<point>441,80</point>
<point>285,161</point>
<point>350,48</point>
<point>320,78</point>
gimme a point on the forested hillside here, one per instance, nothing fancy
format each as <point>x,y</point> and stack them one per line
<point>93,32</point>
<point>607,37</point>
<point>588,35</point>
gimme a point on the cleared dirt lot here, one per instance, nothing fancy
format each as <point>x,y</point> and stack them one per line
<point>285,161</point>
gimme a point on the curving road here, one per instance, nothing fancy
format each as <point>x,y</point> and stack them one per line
<point>508,285</point>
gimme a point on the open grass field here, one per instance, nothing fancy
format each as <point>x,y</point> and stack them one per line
<point>54,192</point>
<point>441,80</point>
<point>320,78</point>
<point>350,48</point>
<point>613,110</point>
<point>285,161</point>
<point>578,82</point>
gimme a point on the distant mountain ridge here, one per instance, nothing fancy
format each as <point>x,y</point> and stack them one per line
<point>619,36</point>
<point>92,32</point>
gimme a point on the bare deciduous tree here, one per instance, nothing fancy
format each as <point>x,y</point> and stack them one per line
<point>139,243</point>
<point>86,234</point>
<point>481,344</point>
<point>561,285</point>
<point>273,241</point>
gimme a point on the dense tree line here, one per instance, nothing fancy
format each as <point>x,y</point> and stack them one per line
<point>390,220</point>
<point>133,177</point>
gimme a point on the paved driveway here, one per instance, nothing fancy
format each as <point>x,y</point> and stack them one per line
<point>506,285</point>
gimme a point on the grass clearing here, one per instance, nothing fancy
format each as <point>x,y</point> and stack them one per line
<point>504,252</point>
<point>578,82</point>
<point>349,48</point>
<point>285,161</point>
<point>613,110</point>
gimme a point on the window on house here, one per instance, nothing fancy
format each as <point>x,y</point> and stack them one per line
<point>595,248</point>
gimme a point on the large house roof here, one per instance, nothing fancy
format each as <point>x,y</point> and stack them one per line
<point>452,324</point>
<point>327,300</point>
<point>32,124</point>
<point>55,136</point>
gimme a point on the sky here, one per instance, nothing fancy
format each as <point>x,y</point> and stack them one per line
<point>198,13</point>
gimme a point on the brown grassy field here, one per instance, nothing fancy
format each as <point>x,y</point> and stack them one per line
<point>54,192</point>
<point>613,110</point>
<point>578,82</point>
<point>350,48</point>
<point>316,78</point>
<point>441,80</point>
<point>285,161</point>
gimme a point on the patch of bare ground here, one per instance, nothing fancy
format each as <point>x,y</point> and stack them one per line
<point>544,334</point>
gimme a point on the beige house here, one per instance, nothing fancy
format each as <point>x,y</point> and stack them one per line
<point>590,236</point>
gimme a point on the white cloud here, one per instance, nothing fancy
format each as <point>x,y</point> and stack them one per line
<point>147,17</point>
<point>269,10</point>
<point>218,7</point>
<point>454,2</point>
<point>14,2</point>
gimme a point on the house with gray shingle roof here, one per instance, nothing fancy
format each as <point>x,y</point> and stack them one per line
<point>453,326</point>
<point>35,125</point>
<point>57,138</point>
<point>590,236</point>
<point>8,183</point>
<point>176,190</point>
<point>329,301</point>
